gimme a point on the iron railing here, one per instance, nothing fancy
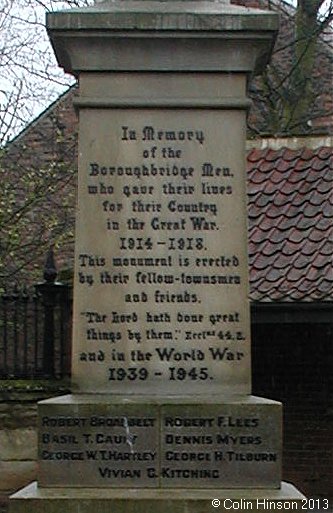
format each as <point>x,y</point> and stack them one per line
<point>35,332</point>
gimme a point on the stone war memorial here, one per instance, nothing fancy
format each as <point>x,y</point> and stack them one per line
<point>161,418</point>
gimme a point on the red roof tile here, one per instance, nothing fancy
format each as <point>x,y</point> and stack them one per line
<point>291,224</point>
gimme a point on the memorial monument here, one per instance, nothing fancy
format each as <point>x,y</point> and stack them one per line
<point>161,418</point>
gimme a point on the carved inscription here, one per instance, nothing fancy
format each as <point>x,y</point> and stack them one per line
<point>213,449</point>
<point>176,446</point>
<point>161,270</point>
<point>99,449</point>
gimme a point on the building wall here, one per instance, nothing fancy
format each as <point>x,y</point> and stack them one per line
<point>18,442</point>
<point>292,363</point>
<point>18,431</point>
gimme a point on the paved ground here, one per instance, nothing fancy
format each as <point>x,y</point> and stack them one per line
<point>4,508</point>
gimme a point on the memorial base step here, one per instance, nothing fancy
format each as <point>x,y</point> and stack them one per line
<point>69,500</point>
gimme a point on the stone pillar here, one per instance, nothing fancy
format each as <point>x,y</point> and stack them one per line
<point>162,417</point>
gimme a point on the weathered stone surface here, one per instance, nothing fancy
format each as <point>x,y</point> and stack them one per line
<point>156,442</point>
<point>93,441</point>
<point>219,37</point>
<point>15,474</point>
<point>151,501</point>
<point>234,444</point>
<point>13,414</point>
<point>18,432</point>
<point>180,16</point>
<point>18,444</point>
<point>170,199</point>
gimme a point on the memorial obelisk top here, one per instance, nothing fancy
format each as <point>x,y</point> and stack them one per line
<point>152,35</point>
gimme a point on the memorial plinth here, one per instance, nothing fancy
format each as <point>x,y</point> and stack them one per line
<point>161,413</point>
<point>160,442</point>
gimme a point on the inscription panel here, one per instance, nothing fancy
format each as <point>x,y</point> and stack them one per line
<point>99,446</point>
<point>161,280</point>
<point>220,446</point>
<point>177,446</point>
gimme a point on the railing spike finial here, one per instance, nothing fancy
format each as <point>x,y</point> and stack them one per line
<point>50,270</point>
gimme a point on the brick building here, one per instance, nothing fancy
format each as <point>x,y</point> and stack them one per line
<point>291,276</point>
